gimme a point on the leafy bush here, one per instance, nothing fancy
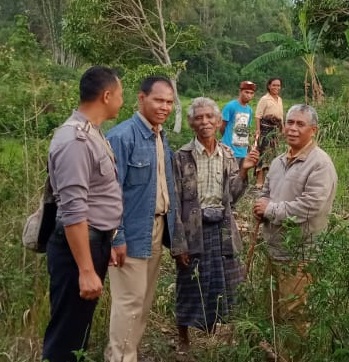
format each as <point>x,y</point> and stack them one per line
<point>35,97</point>
<point>328,295</point>
<point>334,123</point>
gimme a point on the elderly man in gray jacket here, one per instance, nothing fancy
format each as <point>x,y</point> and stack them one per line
<point>301,184</point>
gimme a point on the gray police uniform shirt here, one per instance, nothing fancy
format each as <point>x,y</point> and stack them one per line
<point>84,177</point>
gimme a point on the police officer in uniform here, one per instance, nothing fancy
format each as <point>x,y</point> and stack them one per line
<point>89,207</point>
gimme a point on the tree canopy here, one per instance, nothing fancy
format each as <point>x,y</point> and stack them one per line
<point>208,42</point>
<point>334,15</point>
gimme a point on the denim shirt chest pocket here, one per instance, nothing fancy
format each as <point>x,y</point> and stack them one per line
<point>138,169</point>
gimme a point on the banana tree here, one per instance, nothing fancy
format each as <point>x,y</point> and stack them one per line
<point>307,47</point>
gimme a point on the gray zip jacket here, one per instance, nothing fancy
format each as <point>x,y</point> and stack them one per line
<point>303,189</point>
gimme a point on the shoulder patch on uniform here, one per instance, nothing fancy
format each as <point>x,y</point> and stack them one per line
<point>80,133</point>
<point>81,130</point>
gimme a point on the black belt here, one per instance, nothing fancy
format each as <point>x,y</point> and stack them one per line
<point>104,233</point>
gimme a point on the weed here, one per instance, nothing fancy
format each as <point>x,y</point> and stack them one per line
<point>24,302</point>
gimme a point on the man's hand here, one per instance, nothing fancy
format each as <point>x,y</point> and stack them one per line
<point>90,285</point>
<point>118,255</point>
<point>259,207</point>
<point>251,159</point>
<point>183,259</point>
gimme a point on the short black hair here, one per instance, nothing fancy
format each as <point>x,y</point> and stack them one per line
<point>148,83</point>
<point>270,80</point>
<point>95,80</point>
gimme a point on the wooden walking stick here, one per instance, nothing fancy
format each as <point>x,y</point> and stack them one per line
<point>255,143</point>
<point>250,252</point>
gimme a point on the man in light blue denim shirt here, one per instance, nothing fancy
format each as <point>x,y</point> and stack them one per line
<point>144,163</point>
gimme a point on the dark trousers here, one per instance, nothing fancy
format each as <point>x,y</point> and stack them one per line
<point>71,316</point>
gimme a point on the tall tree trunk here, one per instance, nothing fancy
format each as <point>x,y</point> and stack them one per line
<point>52,12</point>
<point>306,87</point>
<point>318,93</point>
<point>178,109</point>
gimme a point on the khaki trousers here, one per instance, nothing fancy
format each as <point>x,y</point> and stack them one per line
<point>290,298</point>
<point>132,290</point>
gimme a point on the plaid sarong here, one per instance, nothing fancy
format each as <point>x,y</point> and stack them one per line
<point>270,130</point>
<point>206,290</point>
